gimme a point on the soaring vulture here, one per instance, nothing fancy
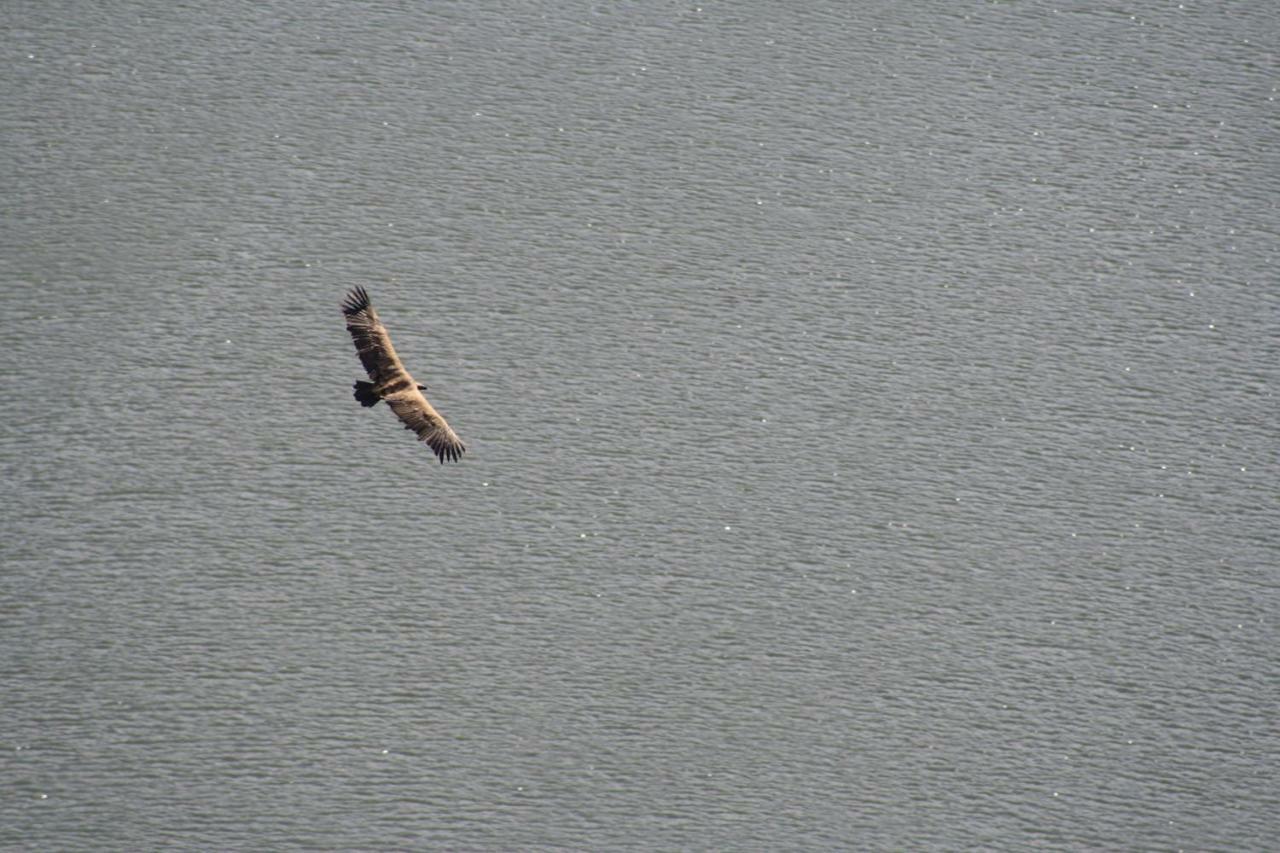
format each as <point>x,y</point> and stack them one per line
<point>391,382</point>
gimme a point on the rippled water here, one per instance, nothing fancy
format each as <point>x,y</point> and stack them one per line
<point>871,421</point>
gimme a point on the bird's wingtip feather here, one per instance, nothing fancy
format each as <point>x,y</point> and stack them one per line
<point>357,300</point>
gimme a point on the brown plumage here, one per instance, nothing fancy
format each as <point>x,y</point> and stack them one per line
<point>391,382</point>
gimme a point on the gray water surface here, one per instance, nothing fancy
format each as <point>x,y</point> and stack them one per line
<point>871,421</point>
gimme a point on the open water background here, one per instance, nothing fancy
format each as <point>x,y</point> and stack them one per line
<point>871,412</point>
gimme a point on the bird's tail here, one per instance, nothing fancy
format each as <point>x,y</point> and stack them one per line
<point>364,393</point>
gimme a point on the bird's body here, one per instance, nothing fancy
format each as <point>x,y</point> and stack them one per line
<point>390,382</point>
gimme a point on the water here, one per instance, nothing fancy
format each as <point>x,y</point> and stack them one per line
<point>871,421</point>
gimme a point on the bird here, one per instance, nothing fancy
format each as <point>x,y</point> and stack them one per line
<point>391,382</point>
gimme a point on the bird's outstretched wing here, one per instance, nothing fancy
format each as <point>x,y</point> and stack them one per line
<point>373,344</point>
<point>412,408</point>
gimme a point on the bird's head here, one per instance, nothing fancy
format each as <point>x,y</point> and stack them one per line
<point>422,387</point>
